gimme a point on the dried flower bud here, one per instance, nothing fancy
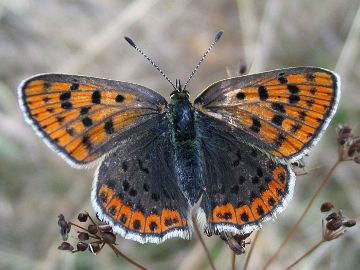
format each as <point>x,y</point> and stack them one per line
<point>326,207</point>
<point>242,69</point>
<point>108,237</point>
<point>332,216</point>
<point>105,228</point>
<point>64,227</point>
<point>344,133</point>
<point>334,224</point>
<point>65,246</point>
<point>93,229</point>
<point>83,236</point>
<point>94,247</point>
<point>82,217</point>
<point>236,242</point>
<point>82,246</point>
<point>350,223</point>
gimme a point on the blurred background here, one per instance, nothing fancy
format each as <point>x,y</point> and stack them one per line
<point>86,37</point>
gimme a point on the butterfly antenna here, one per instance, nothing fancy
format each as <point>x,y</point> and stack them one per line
<point>216,39</point>
<point>132,43</point>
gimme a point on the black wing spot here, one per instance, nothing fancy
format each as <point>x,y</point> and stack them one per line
<point>255,180</point>
<point>277,119</point>
<point>86,141</point>
<point>256,125</point>
<point>278,107</point>
<point>132,192</point>
<point>283,80</point>
<point>260,211</point>
<point>263,93</point>
<point>66,105</point>
<point>242,179</point>
<point>124,166</point>
<point>259,172</point>
<point>74,86</point>
<point>293,99</point>
<point>155,197</point>
<point>126,185</point>
<point>310,77</point>
<point>235,189</point>
<point>244,217</point>
<point>153,226</point>
<point>109,127</point>
<point>240,95</point>
<point>84,110</point>
<point>70,131</point>
<point>293,89</point>
<point>96,97</point>
<point>60,119</point>
<point>50,110</point>
<point>142,168</point>
<point>136,224</point>
<point>87,122</point>
<point>302,115</point>
<point>295,128</point>
<point>119,98</point>
<point>146,187</point>
<point>271,201</point>
<point>123,218</point>
<point>65,96</point>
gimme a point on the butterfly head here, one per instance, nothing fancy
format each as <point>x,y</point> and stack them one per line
<point>179,93</point>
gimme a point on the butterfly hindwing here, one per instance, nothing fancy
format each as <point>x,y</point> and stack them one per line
<point>282,111</point>
<point>243,185</point>
<point>81,117</point>
<point>135,190</point>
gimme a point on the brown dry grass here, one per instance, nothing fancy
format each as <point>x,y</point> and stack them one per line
<point>86,37</point>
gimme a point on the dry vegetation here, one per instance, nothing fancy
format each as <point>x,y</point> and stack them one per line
<point>86,37</point>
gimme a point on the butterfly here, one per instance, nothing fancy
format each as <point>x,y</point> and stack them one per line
<point>225,158</point>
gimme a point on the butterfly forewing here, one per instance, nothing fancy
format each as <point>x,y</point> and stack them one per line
<point>82,117</point>
<point>282,111</point>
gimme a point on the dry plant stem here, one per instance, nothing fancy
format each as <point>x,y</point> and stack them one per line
<point>233,260</point>
<point>246,264</point>
<point>296,226</point>
<point>311,250</point>
<point>120,254</point>
<point>197,231</point>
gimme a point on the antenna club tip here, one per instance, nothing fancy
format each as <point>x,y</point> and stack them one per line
<point>218,35</point>
<point>130,41</point>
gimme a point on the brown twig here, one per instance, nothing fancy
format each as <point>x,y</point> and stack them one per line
<point>246,264</point>
<point>197,231</point>
<point>311,250</point>
<point>120,254</point>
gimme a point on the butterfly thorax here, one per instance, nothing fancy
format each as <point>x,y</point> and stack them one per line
<point>182,117</point>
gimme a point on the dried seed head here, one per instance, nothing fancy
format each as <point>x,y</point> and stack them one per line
<point>65,227</point>
<point>83,236</point>
<point>93,229</point>
<point>357,159</point>
<point>65,246</point>
<point>105,228</point>
<point>236,242</point>
<point>350,223</point>
<point>332,216</point>
<point>94,247</point>
<point>108,237</point>
<point>344,134</point>
<point>82,217</point>
<point>334,224</point>
<point>326,207</point>
<point>82,246</point>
